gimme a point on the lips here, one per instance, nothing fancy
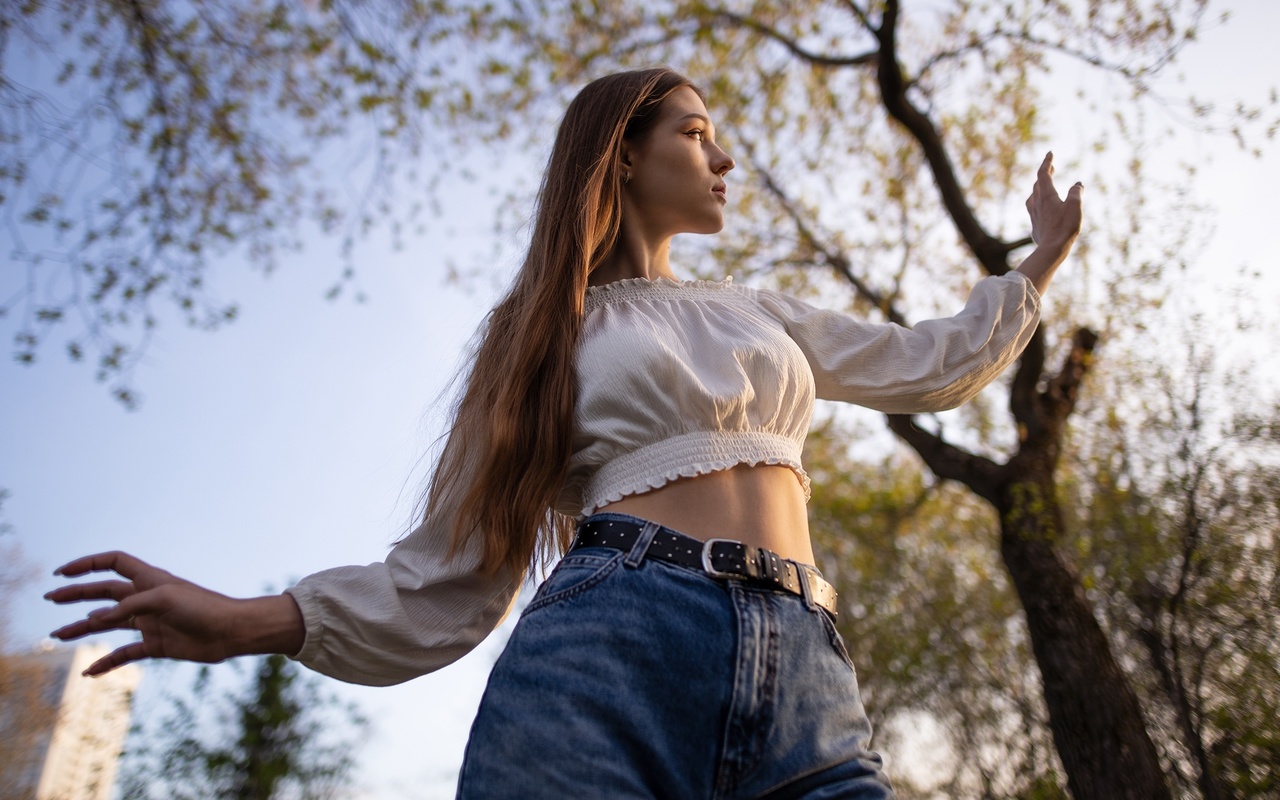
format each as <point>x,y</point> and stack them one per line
<point>721,191</point>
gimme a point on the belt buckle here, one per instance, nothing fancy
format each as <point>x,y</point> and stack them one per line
<point>706,560</point>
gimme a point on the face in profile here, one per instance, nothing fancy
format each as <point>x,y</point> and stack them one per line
<point>677,172</point>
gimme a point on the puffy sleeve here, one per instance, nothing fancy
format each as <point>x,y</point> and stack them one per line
<point>414,613</point>
<point>936,365</point>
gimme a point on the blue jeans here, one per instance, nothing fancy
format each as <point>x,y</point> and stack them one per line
<point>635,678</point>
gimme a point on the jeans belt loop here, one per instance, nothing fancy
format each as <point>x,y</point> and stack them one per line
<point>806,588</point>
<point>642,543</point>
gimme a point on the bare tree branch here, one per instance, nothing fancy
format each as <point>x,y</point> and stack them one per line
<point>861,14</point>
<point>947,461</point>
<point>991,252</point>
<point>1064,388</point>
<point>836,260</point>
<point>816,59</point>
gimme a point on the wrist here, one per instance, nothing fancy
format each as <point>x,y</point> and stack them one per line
<point>264,625</point>
<point>1041,264</point>
<point>1056,248</point>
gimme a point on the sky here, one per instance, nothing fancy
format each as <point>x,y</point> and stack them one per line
<point>291,441</point>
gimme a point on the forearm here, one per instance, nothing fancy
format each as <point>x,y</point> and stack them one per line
<point>1043,262</point>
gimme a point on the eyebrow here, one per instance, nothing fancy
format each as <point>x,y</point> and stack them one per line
<point>700,116</point>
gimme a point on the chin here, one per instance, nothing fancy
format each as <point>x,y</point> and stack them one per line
<point>712,225</point>
<point>711,222</point>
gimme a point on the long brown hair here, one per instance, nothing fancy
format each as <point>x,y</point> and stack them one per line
<point>508,449</point>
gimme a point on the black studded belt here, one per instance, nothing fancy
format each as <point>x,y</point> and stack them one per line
<point>724,559</point>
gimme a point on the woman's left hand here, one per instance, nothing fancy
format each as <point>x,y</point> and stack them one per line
<point>1055,223</point>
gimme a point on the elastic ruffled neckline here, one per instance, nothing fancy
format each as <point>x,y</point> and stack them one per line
<point>614,286</point>
<point>631,288</point>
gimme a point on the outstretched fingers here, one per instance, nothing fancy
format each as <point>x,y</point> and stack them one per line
<point>135,651</point>
<point>1044,178</point>
<point>175,618</point>
<point>1055,221</point>
<point>1046,166</point>
<point>1076,193</point>
<point>121,616</point>
<point>98,590</point>
<point>96,621</point>
<point>115,560</point>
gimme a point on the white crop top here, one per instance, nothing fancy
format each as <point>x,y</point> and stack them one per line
<point>675,379</point>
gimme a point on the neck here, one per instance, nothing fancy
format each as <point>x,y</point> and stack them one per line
<point>634,255</point>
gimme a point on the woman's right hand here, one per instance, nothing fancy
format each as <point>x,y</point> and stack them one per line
<point>176,618</point>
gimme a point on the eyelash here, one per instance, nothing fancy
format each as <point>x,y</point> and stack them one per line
<point>698,132</point>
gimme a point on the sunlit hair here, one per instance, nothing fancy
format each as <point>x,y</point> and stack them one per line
<point>507,452</point>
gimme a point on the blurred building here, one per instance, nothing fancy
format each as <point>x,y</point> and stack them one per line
<point>64,732</point>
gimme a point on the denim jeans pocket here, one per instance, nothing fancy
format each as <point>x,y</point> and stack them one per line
<point>575,574</point>
<point>833,635</point>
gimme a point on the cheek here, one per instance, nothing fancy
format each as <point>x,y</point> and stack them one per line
<point>680,166</point>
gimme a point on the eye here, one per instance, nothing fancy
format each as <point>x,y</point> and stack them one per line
<point>697,134</point>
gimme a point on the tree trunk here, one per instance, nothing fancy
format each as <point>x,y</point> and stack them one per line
<point>1094,715</point>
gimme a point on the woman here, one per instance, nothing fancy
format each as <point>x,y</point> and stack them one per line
<point>684,646</point>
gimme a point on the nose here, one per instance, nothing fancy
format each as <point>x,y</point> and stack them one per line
<point>722,162</point>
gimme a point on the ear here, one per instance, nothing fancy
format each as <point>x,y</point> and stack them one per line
<point>625,155</point>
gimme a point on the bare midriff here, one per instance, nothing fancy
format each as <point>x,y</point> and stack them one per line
<point>762,506</point>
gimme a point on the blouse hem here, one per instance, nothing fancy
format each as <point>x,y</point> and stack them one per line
<point>689,456</point>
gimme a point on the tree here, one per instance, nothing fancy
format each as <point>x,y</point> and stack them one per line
<point>914,131</point>
<point>281,736</point>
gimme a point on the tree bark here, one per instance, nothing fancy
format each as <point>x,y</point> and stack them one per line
<point>1094,715</point>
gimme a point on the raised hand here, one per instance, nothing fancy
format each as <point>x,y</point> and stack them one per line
<point>176,618</point>
<point>1055,224</point>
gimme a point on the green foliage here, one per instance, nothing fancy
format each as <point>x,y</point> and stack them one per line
<point>1176,520</point>
<point>141,144</point>
<point>280,737</point>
